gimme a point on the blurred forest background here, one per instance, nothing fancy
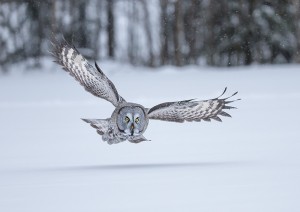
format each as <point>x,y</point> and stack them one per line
<point>154,32</point>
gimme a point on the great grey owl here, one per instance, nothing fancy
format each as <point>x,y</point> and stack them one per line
<point>129,120</point>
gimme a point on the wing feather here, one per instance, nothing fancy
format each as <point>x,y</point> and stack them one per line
<point>91,78</point>
<point>190,110</point>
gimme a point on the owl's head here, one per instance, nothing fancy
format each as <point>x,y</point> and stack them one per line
<point>131,120</point>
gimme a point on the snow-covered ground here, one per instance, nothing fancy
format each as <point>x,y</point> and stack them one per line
<point>50,160</point>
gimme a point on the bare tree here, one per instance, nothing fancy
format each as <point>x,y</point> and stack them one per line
<point>164,38</point>
<point>192,28</point>
<point>98,26</point>
<point>297,29</point>
<point>178,33</point>
<point>148,33</point>
<point>53,17</point>
<point>110,28</point>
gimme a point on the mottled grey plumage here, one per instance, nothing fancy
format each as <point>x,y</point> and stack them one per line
<point>190,110</point>
<point>91,78</point>
<point>129,120</point>
<point>111,130</point>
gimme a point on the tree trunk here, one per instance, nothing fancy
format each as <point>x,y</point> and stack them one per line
<point>34,13</point>
<point>53,18</point>
<point>96,44</point>
<point>210,32</point>
<point>297,25</point>
<point>164,50</point>
<point>110,28</point>
<point>82,30</point>
<point>148,33</point>
<point>249,38</point>
<point>178,31</point>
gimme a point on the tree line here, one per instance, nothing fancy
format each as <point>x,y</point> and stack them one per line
<point>154,32</point>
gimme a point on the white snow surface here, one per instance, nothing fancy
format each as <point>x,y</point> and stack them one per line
<point>50,160</point>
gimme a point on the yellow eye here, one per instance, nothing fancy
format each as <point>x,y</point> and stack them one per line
<point>127,119</point>
<point>137,120</point>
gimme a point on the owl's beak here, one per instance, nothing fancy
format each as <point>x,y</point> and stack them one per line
<point>132,129</point>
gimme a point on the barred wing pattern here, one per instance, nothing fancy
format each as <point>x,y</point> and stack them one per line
<point>91,78</point>
<point>190,110</point>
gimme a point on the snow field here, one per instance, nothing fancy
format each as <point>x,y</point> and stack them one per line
<point>50,160</point>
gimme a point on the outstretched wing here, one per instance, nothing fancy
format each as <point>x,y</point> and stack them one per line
<point>190,110</point>
<point>91,78</point>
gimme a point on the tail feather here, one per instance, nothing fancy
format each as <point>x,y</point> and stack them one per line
<point>101,125</point>
<point>103,129</point>
<point>138,139</point>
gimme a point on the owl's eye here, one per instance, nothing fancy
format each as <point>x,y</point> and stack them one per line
<point>127,119</point>
<point>137,120</point>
